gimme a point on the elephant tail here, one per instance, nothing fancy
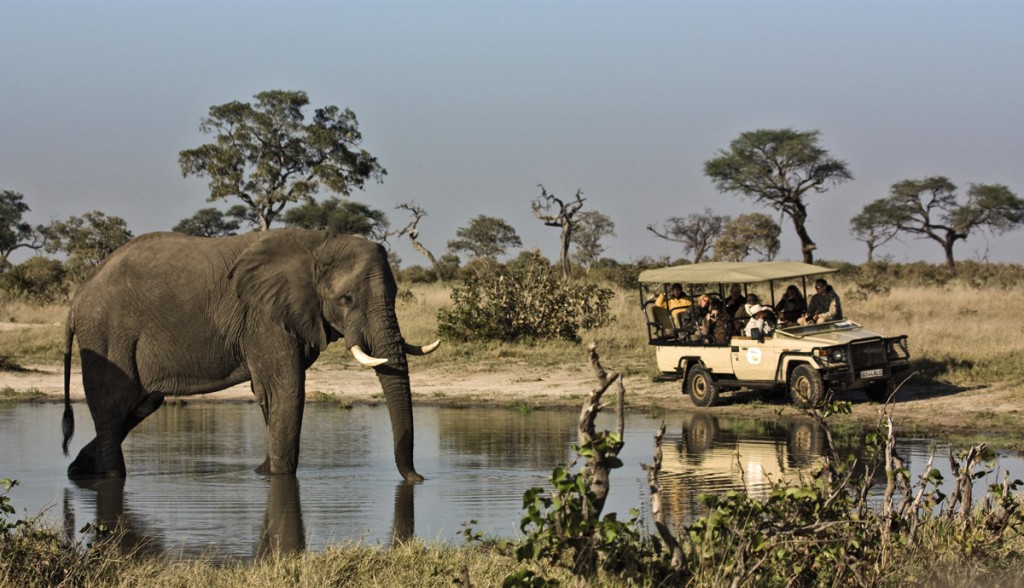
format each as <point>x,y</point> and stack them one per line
<point>68,422</point>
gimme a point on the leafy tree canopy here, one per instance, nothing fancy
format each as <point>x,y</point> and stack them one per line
<point>930,208</point>
<point>591,227</point>
<point>208,222</point>
<point>266,155</point>
<point>87,240</point>
<point>15,233</point>
<point>339,216</point>
<point>485,237</point>
<point>747,234</point>
<point>776,167</point>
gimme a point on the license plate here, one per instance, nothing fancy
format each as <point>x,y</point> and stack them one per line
<point>866,374</point>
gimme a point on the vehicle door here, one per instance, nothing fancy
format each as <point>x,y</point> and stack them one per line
<point>752,360</point>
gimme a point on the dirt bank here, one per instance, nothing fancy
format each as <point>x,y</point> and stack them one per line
<point>990,412</point>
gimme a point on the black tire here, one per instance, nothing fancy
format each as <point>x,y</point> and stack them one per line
<point>806,387</point>
<point>879,391</point>
<point>701,387</point>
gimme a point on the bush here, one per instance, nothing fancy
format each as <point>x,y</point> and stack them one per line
<point>38,279</point>
<point>523,301</point>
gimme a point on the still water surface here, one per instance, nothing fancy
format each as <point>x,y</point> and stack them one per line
<point>191,489</point>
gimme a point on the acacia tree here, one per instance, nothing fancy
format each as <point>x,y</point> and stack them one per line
<point>208,222</point>
<point>485,237</point>
<point>557,213</point>
<point>591,227</point>
<point>339,216</point>
<point>413,232</point>
<point>929,209</point>
<point>266,155</point>
<point>87,240</point>
<point>754,232</point>
<point>15,233</point>
<point>777,167</point>
<point>872,227</point>
<point>697,232</point>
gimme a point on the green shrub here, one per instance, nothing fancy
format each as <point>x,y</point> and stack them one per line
<point>523,302</point>
<point>38,279</point>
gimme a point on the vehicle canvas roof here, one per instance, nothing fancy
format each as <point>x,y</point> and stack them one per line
<point>732,272</point>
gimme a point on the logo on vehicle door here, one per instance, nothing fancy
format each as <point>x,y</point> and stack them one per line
<point>754,355</point>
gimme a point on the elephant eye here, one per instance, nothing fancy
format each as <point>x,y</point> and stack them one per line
<point>345,299</point>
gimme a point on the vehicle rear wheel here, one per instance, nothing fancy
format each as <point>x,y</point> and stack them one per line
<point>700,387</point>
<point>806,387</point>
<point>879,391</point>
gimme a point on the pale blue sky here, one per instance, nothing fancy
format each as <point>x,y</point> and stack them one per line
<point>471,104</point>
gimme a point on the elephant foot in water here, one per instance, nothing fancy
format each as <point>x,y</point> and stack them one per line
<point>87,467</point>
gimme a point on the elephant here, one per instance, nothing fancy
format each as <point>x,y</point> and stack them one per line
<point>170,314</point>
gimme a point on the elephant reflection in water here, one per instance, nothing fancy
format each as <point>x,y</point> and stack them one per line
<point>283,529</point>
<point>169,314</point>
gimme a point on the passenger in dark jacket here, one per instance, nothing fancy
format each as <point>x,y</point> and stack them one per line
<point>791,306</point>
<point>824,305</point>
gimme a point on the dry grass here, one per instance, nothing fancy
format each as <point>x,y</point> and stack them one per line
<point>959,335</point>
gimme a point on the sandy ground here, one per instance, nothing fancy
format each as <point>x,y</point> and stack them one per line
<point>993,411</point>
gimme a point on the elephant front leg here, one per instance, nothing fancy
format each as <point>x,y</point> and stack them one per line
<point>282,406</point>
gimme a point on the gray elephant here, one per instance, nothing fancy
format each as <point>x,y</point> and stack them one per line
<point>168,314</point>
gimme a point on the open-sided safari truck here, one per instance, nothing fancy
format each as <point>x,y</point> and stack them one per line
<point>806,360</point>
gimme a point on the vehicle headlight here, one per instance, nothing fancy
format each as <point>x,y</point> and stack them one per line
<point>838,355</point>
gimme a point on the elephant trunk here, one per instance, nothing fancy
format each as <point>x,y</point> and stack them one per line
<point>395,383</point>
<point>384,340</point>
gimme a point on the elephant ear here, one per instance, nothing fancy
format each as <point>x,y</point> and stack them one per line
<point>275,278</point>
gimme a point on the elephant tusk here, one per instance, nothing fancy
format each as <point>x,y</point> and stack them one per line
<point>364,359</point>
<point>421,350</point>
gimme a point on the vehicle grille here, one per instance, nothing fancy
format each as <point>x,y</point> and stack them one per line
<point>868,354</point>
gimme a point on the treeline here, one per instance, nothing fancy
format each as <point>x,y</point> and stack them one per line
<point>268,160</point>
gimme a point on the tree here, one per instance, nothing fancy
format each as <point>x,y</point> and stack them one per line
<point>486,237</point>
<point>754,232</point>
<point>413,232</point>
<point>929,209</point>
<point>696,232</point>
<point>267,156</point>
<point>873,226</point>
<point>777,168</point>
<point>15,233</point>
<point>340,216</point>
<point>556,213</point>
<point>591,227</point>
<point>87,240</point>
<point>207,222</point>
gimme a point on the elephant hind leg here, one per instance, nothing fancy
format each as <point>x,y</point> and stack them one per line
<point>103,457</point>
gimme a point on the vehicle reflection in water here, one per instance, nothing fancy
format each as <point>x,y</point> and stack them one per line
<point>705,458</point>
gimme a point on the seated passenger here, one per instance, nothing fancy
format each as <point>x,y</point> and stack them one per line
<point>791,306</point>
<point>743,314</point>
<point>734,301</point>
<point>762,319</point>
<point>676,303</point>
<point>824,305</point>
<point>718,325</point>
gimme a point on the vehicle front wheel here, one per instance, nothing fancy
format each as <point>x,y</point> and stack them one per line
<point>879,391</point>
<point>700,387</point>
<point>806,387</point>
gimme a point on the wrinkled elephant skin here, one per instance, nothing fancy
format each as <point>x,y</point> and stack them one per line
<point>173,315</point>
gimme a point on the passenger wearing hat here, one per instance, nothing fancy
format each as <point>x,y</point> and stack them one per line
<point>761,319</point>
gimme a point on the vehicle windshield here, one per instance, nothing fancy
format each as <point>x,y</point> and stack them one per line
<point>801,330</point>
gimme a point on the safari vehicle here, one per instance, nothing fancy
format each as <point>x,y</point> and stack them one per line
<point>806,360</point>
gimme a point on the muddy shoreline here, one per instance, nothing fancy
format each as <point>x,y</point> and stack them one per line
<point>992,413</point>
